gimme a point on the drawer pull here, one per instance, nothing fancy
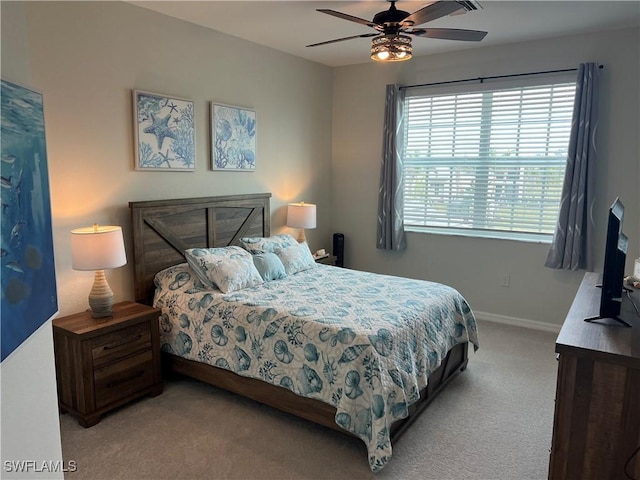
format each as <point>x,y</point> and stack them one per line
<point>123,342</point>
<point>124,380</point>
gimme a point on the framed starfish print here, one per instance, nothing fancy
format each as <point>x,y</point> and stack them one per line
<point>164,132</point>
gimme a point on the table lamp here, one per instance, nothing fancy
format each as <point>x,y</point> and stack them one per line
<point>301,215</point>
<point>98,248</point>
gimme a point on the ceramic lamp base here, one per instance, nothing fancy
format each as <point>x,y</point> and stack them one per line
<point>101,297</point>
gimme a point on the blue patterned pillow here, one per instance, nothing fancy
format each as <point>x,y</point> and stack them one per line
<point>296,258</point>
<point>177,277</point>
<point>269,266</point>
<point>268,244</point>
<point>229,268</point>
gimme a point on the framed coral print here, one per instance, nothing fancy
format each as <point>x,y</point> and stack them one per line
<point>164,132</point>
<point>233,138</point>
<point>29,295</point>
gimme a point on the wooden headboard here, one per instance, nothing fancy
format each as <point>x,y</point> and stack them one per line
<point>164,229</point>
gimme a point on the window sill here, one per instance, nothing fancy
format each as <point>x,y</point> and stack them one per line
<point>457,232</point>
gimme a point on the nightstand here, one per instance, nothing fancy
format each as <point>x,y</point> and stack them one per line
<point>329,260</point>
<point>101,365</point>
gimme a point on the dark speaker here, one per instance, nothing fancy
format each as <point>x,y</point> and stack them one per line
<point>338,248</point>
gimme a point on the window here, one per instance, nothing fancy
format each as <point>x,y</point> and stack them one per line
<point>487,163</point>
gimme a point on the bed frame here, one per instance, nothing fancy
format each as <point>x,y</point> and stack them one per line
<point>164,229</point>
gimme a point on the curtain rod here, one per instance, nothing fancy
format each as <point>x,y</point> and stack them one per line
<point>482,79</point>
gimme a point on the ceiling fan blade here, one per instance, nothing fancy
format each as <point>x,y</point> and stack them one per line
<point>449,34</point>
<point>364,35</point>
<point>432,12</point>
<point>351,18</point>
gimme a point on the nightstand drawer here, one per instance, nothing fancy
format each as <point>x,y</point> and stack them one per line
<point>120,379</point>
<point>113,346</point>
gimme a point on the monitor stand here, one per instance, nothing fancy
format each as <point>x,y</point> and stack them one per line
<point>614,319</point>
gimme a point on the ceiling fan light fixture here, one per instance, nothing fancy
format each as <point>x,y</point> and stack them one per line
<point>391,48</point>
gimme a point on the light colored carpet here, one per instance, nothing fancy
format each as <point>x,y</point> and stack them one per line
<point>494,421</point>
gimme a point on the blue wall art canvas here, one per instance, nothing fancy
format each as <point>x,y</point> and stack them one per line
<point>29,296</point>
<point>233,138</point>
<point>164,132</point>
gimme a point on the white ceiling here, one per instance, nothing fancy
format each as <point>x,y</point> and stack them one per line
<point>290,25</point>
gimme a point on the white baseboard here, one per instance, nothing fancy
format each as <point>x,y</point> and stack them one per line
<point>517,322</point>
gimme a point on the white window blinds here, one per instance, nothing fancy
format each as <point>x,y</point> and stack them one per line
<point>490,160</point>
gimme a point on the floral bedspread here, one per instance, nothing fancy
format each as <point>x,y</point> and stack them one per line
<point>365,343</point>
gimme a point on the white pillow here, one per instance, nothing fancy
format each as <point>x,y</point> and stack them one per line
<point>228,268</point>
<point>296,258</point>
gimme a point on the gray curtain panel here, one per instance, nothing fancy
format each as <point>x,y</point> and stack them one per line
<point>390,230</point>
<point>573,237</point>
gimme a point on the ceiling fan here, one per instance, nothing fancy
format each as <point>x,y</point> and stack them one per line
<point>391,42</point>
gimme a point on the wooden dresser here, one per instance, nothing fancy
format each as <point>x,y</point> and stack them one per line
<point>596,429</point>
<point>101,365</point>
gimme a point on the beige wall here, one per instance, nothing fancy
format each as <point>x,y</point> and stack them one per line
<point>86,57</point>
<point>476,266</point>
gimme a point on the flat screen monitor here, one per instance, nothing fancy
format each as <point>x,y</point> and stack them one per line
<point>615,255</point>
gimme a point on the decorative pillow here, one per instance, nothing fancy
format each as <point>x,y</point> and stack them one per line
<point>269,266</point>
<point>228,268</point>
<point>296,258</point>
<point>175,277</point>
<point>178,277</point>
<point>268,244</point>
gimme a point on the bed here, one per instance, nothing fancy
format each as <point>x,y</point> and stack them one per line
<point>358,352</point>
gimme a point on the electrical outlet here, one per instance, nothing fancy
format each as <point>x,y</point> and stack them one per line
<point>505,280</point>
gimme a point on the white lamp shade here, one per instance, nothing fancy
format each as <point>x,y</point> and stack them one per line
<point>301,215</point>
<point>97,248</point>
